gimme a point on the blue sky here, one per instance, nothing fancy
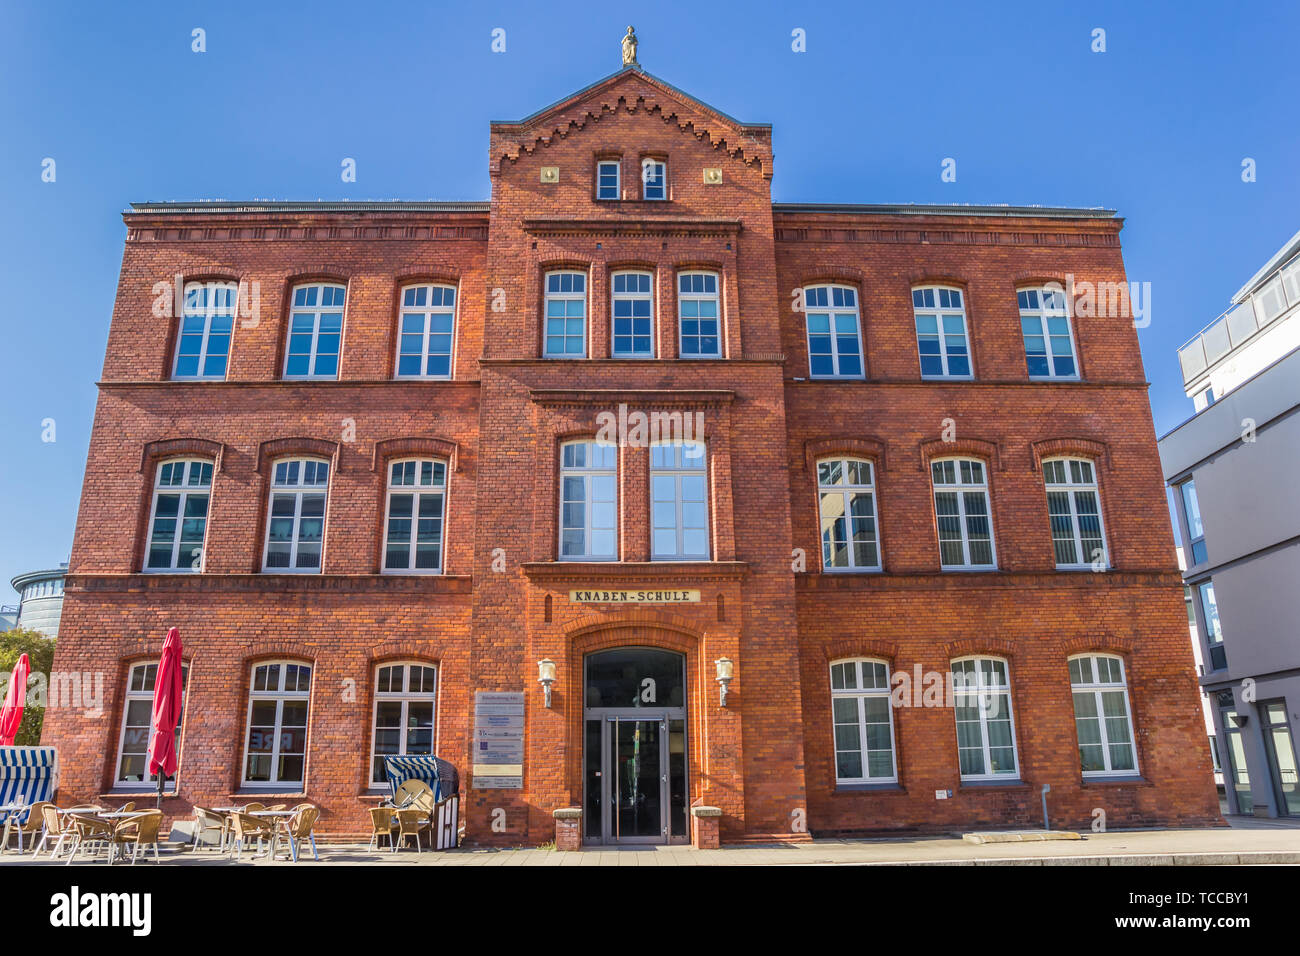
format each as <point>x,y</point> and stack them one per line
<point>1156,127</point>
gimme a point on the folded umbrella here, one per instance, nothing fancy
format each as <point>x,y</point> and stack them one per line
<point>167,690</point>
<point>11,715</point>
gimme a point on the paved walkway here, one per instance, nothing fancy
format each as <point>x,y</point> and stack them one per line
<point>1247,840</point>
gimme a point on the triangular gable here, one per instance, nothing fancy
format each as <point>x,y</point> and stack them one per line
<point>633,90</point>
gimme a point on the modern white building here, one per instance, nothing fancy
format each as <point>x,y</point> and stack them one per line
<point>1233,468</point>
<point>40,599</point>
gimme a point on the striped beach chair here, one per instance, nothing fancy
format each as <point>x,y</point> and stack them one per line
<point>28,775</point>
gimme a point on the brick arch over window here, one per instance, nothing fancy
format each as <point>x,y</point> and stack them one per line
<point>424,278</point>
<point>260,652</point>
<point>834,275</point>
<point>859,447</point>
<point>856,647</point>
<point>979,647</point>
<point>1031,280</point>
<point>961,447</point>
<point>1089,448</point>
<point>1099,644</point>
<point>414,651</point>
<point>922,280</point>
<point>270,451</point>
<point>415,447</point>
<point>155,451</point>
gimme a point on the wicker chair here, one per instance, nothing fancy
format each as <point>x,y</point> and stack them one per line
<point>205,821</point>
<point>381,825</point>
<point>410,823</point>
<point>90,832</point>
<point>244,827</point>
<point>56,829</point>
<point>29,827</point>
<point>138,830</point>
<point>127,807</point>
<point>300,827</point>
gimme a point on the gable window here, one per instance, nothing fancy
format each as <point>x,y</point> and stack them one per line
<point>207,322</point>
<point>679,508</point>
<point>961,508</point>
<point>275,751</point>
<point>607,179</point>
<point>1045,325</point>
<point>315,331</point>
<point>654,179</point>
<point>1195,529</point>
<point>1074,511</point>
<point>632,311</point>
<point>864,722</point>
<point>986,733</point>
<point>941,333</point>
<point>404,715</point>
<point>1101,715</point>
<point>834,342</point>
<point>413,527</point>
<point>588,502</point>
<point>697,314</point>
<point>566,315</point>
<point>295,528</point>
<point>179,518</point>
<point>427,326</point>
<point>847,503</point>
<point>137,725</point>
<point>1213,629</point>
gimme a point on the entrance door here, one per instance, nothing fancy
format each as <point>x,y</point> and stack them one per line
<point>636,776</point>
<point>1281,756</point>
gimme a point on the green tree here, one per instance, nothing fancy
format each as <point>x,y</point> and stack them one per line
<point>40,653</point>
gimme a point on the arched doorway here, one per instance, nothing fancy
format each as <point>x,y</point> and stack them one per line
<point>634,746</point>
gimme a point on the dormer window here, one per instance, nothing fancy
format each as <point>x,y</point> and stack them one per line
<point>607,179</point>
<point>654,179</point>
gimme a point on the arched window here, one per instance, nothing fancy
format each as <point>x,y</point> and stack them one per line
<point>1101,715</point>
<point>697,314</point>
<point>1045,325</point>
<point>207,323</point>
<point>405,706</point>
<point>413,526</point>
<point>846,495</point>
<point>178,518</point>
<point>633,315</point>
<point>986,732</point>
<point>566,315</point>
<point>864,722</point>
<point>137,725</point>
<point>679,506</point>
<point>295,527</point>
<point>941,332</point>
<point>588,501</point>
<point>1074,509</point>
<point>275,752</point>
<point>315,331</point>
<point>427,331</point>
<point>961,508</point>
<point>834,333</point>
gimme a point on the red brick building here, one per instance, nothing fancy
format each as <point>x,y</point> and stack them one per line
<point>359,462</point>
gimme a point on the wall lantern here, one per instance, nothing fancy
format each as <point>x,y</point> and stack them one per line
<point>546,677</point>
<point>726,670</point>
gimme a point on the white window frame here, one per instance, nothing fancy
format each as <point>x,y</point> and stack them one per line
<point>647,297</point>
<point>646,163</point>
<point>427,313</point>
<point>715,297</point>
<point>859,693</point>
<point>1071,488</point>
<point>984,687</point>
<point>833,312</point>
<point>209,310</point>
<point>298,489</point>
<point>961,488</point>
<point>1040,315</point>
<point>1195,535</point>
<point>601,165</point>
<point>587,472</point>
<point>1093,684</point>
<point>315,311</point>
<point>405,697</point>
<point>280,696</point>
<point>939,312</point>
<point>129,695</point>
<point>184,491</point>
<point>417,490</point>
<point>847,492</point>
<point>548,297</point>
<point>677,471</point>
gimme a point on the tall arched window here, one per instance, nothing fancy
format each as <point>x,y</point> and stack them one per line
<point>1045,326</point>
<point>1101,715</point>
<point>864,722</point>
<point>846,494</point>
<point>986,732</point>
<point>834,333</point>
<point>588,501</point>
<point>1074,509</point>
<point>405,705</point>
<point>961,507</point>
<point>426,331</point>
<point>207,323</point>
<point>413,525</point>
<point>315,331</point>
<point>679,506</point>
<point>633,315</point>
<point>566,315</point>
<point>295,527</point>
<point>275,751</point>
<point>178,519</point>
<point>941,332</point>
<point>137,725</point>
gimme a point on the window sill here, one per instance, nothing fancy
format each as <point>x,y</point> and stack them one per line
<point>1016,784</point>
<point>268,794</point>
<point>854,789</point>
<point>137,793</point>
<point>1117,781</point>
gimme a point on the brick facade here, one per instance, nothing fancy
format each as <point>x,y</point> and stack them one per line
<point>766,759</point>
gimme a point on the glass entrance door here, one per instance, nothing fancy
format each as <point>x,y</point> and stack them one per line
<point>1281,756</point>
<point>637,775</point>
